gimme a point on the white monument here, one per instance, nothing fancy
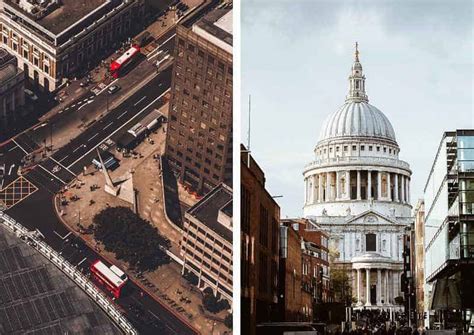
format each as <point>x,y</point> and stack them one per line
<point>358,190</point>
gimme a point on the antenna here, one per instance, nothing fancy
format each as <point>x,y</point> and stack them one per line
<point>248,134</point>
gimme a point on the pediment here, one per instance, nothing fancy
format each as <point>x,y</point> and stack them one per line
<point>370,217</point>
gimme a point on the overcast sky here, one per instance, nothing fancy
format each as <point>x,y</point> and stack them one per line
<point>296,56</point>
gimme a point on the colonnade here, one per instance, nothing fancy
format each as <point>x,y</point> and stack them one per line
<point>387,286</point>
<point>357,185</point>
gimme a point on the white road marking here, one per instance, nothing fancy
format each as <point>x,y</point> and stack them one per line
<point>73,106</point>
<point>136,103</point>
<point>11,168</point>
<point>66,108</point>
<point>59,163</point>
<point>77,148</point>
<point>63,158</point>
<point>62,181</point>
<point>92,137</point>
<point>1,184</point>
<point>122,115</point>
<point>106,87</point>
<point>82,261</point>
<point>118,129</point>
<point>19,146</point>
<point>11,149</point>
<point>88,102</point>
<point>79,103</point>
<point>107,126</point>
<point>152,54</point>
<point>60,111</point>
<point>62,237</point>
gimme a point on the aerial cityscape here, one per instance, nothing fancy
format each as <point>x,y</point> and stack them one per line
<point>116,167</point>
<point>332,238</point>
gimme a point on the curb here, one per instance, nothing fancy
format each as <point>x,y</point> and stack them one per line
<point>144,289</point>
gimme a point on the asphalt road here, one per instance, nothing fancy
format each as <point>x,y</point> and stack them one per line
<point>37,210</point>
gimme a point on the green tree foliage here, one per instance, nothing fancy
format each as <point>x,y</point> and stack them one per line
<point>212,303</point>
<point>131,238</point>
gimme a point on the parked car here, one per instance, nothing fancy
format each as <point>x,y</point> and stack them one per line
<point>114,88</point>
<point>31,95</point>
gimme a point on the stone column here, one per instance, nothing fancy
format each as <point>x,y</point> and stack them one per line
<point>359,279</point>
<point>338,184</point>
<point>395,284</point>
<point>385,293</point>
<point>369,184</point>
<point>389,286</point>
<point>396,187</point>
<point>320,191</point>
<point>402,182</point>
<point>408,189</point>
<point>358,185</point>
<point>328,186</point>
<point>389,186</point>
<point>348,184</point>
<point>379,185</point>
<point>367,287</point>
<point>379,287</point>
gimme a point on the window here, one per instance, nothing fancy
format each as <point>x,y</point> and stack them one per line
<point>370,242</point>
<point>370,148</point>
<point>345,148</point>
<point>354,148</point>
<point>362,147</point>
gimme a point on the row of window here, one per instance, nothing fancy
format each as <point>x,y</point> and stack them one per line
<point>345,148</point>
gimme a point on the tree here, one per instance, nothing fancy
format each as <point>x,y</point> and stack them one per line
<point>212,303</point>
<point>228,321</point>
<point>131,238</point>
<point>339,280</point>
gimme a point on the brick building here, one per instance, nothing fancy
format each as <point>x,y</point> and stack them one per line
<point>12,85</point>
<point>54,40</point>
<point>290,276</point>
<point>199,140</point>
<point>314,272</point>
<point>206,243</point>
<point>260,217</point>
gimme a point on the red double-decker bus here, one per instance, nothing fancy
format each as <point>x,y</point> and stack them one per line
<point>120,63</point>
<point>111,277</point>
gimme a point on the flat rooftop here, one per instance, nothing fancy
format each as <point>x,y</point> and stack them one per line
<point>68,13</point>
<point>216,27</point>
<point>207,210</point>
<point>37,298</point>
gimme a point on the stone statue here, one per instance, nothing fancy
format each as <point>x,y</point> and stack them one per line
<point>348,211</point>
<point>325,212</point>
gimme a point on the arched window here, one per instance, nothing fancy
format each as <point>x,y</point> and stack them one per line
<point>370,242</point>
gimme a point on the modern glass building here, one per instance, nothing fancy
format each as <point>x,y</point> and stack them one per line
<point>449,233</point>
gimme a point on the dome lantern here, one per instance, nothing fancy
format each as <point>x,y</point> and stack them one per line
<point>357,81</point>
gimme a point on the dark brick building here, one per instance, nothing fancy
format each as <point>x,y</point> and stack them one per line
<point>199,140</point>
<point>260,217</point>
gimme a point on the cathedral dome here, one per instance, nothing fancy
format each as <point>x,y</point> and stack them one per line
<point>357,119</point>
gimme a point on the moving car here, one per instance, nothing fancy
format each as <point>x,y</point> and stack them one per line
<point>114,88</point>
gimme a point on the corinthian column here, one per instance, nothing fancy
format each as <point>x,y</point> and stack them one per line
<point>369,184</point>
<point>358,184</point>
<point>367,287</point>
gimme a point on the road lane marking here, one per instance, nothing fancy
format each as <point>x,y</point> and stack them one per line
<point>77,148</point>
<point>107,126</point>
<point>59,163</point>
<point>62,237</point>
<point>106,87</point>
<point>19,146</point>
<point>122,114</point>
<point>136,103</point>
<point>11,149</point>
<point>62,181</point>
<point>73,106</point>
<point>11,168</point>
<point>92,137</point>
<point>82,261</point>
<point>152,54</point>
<point>118,129</point>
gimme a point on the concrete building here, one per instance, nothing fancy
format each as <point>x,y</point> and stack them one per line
<point>206,243</point>
<point>449,233</point>
<point>260,221</point>
<point>55,40</point>
<point>315,278</point>
<point>419,260</point>
<point>358,190</point>
<point>12,90</point>
<point>199,139</point>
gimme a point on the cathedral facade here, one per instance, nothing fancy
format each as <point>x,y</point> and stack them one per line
<point>358,190</point>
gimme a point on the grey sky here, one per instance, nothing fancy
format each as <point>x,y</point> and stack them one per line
<point>296,57</point>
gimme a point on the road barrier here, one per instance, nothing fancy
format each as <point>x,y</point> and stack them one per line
<point>33,239</point>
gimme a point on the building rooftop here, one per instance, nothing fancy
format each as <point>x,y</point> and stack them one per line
<point>207,210</point>
<point>65,15</point>
<point>38,298</point>
<point>216,27</point>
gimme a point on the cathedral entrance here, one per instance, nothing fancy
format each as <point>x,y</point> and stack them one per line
<point>373,294</point>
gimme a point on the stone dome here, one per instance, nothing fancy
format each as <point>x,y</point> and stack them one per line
<point>357,119</point>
